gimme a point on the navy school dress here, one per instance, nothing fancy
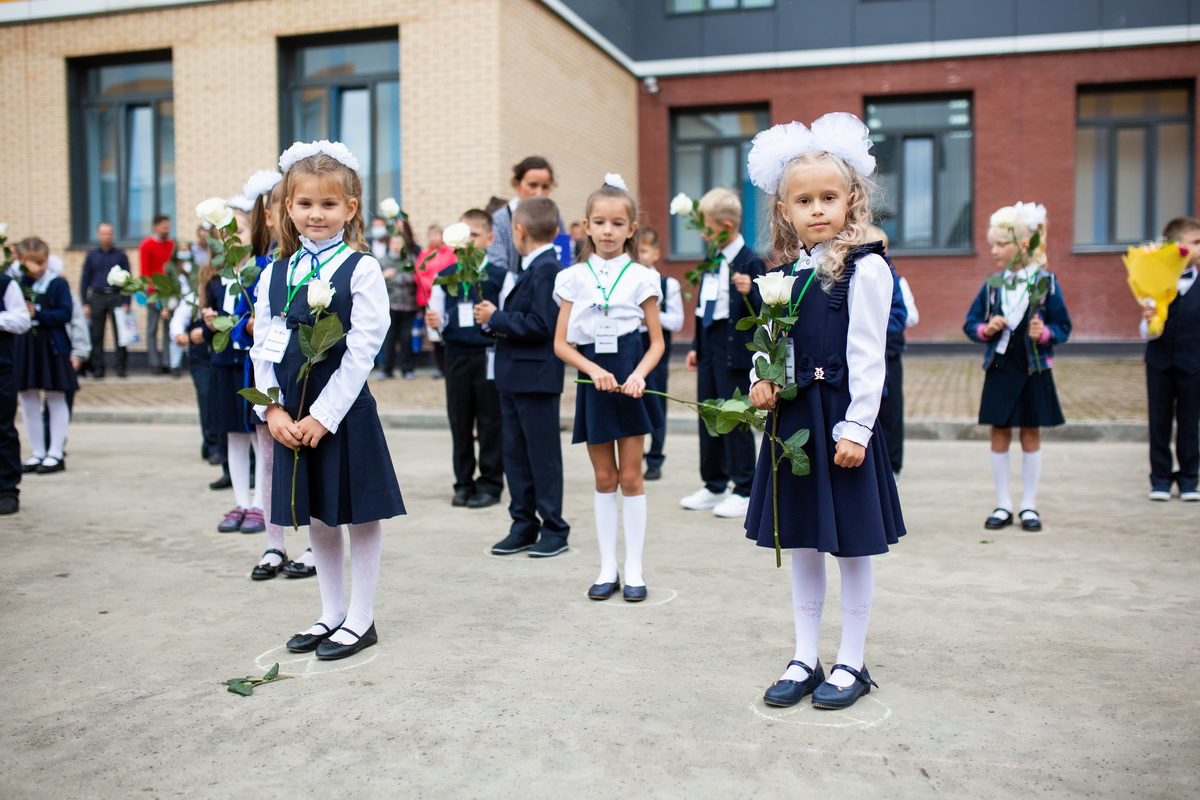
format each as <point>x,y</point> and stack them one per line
<point>348,478</point>
<point>227,412</point>
<point>607,416</point>
<point>847,512</point>
<point>42,355</point>
<point>1014,396</point>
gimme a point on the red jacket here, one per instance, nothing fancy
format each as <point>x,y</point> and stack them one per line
<point>429,270</point>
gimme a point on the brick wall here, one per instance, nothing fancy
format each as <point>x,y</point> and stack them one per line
<point>1024,111</point>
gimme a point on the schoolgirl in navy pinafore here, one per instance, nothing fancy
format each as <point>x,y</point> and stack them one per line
<point>845,512</point>
<point>348,478</point>
<point>607,416</point>
<point>42,355</point>
<point>227,411</point>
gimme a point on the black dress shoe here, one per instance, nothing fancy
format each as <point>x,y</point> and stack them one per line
<point>461,497</point>
<point>834,697</point>
<point>331,651</point>
<point>51,464</point>
<point>603,591</point>
<point>1000,518</point>
<point>264,572</point>
<point>787,693</point>
<point>483,500</point>
<point>634,594</point>
<point>653,472</point>
<point>222,482</point>
<point>307,642</point>
<point>9,504</point>
<point>297,569</point>
<point>1032,522</point>
<point>31,465</point>
<point>513,543</point>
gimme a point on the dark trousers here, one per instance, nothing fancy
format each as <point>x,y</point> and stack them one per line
<point>533,462</point>
<point>103,305</point>
<point>891,412</point>
<point>657,380</point>
<point>400,334</point>
<point>200,367</point>
<point>1173,398</point>
<point>10,442</point>
<point>729,457</point>
<point>473,407</point>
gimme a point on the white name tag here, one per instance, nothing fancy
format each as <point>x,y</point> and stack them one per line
<point>491,363</point>
<point>278,338</point>
<point>790,364</point>
<point>709,290</point>
<point>466,315</point>
<point>606,336</point>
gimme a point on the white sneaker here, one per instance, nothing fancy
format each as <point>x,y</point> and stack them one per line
<point>732,507</point>
<point>702,499</point>
<point>1190,497</point>
<point>1158,495</point>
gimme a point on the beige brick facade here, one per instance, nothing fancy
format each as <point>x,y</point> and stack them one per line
<point>483,83</point>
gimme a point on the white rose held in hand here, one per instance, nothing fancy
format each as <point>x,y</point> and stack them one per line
<point>320,294</point>
<point>457,235</point>
<point>681,205</point>
<point>3,229</point>
<point>118,276</point>
<point>215,212</point>
<point>775,288</point>
<point>1004,218</point>
<point>389,208</point>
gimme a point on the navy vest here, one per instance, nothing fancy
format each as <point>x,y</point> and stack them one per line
<point>1179,344</point>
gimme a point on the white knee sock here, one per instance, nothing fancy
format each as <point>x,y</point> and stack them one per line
<point>605,504</point>
<point>366,547</point>
<point>60,417</point>
<point>858,592</point>
<point>808,601</point>
<point>238,454</point>
<point>633,521</point>
<point>31,410</point>
<point>1031,475</point>
<point>329,553</point>
<point>266,464</point>
<point>1000,478</point>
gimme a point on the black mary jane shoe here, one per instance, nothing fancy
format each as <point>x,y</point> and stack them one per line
<point>603,591</point>
<point>307,642</point>
<point>45,468</point>
<point>786,693</point>
<point>1032,522</point>
<point>331,651</point>
<point>31,465</point>
<point>297,569</point>
<point>996,521</point>
<point>264,572</point>
<point>834,697</point>
<point>633,594</point>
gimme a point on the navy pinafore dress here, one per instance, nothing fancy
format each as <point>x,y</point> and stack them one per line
<point>847,512</point>
<point>348,478</point>
<point>607,416</point>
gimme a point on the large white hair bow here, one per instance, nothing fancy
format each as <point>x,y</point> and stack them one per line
<point>302,150</point>
<point>260,183</point>
<point>240,202</point>
<point>842,134</point>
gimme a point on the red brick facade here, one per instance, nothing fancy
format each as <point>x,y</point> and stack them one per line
<point>1024,134</point>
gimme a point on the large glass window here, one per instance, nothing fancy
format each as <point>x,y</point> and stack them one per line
<point>709,149</point>
<point>696,6</point>
<point>1133,162</point>
<point>924,154</point>
<point>346,87</point>
<point>122,121</point>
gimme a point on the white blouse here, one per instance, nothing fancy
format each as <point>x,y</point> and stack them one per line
<point>370,319</point>
<point>671,317</point>
<point>585,285</point>
<point>869,300</point>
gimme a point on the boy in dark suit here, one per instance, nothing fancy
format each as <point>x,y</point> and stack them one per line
<point>472,402</point>
<point>529,378</point>
<point>720,358</point>
<point>1173,377</point>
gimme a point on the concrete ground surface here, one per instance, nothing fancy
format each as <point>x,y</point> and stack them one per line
<point>1011,664</point>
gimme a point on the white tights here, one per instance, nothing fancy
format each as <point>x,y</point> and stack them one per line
<point>329,553</point>
<point>808,601</point>
<point>262,481</point>
<point>238,454</point>
<point>31,410</point>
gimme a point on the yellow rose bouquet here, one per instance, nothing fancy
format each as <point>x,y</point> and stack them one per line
<point>1154,269</point>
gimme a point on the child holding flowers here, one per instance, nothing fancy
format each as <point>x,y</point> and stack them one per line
<point>1020,315</point>
<point>322,415</point>
<point>834,291</point>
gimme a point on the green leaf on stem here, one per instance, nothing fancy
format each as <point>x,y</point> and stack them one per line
<point>763,340</point>
<point>271,673</point>
<point>303,371</point>
<point>273,393</point>
<point>240,686</point>
<point>800,464</point>
<point>249,274</point>
<point>1034,241</point>
<point>215,245</point>
<point>746,323</point>
<point>789,392</point>
<point>225,323</point>
<point>788,321</point>
<point>255,397</point>
<point>761,367</point>
<point>304,337</point>
<point>326,333</point>
<point>996,281</point>
<point>220,341</point>
<point>164,285</point>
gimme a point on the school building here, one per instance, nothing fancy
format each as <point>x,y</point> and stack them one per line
<point>119,109</point>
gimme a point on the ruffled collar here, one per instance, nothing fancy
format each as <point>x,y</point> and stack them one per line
<point>324,244</point>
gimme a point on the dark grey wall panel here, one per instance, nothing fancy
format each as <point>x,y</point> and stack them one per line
<point>893,21</point>
<point>662,36</point>
<point>614,19</point>
<point>1143,13</point>
<point>733,32</point>
<point>1057,16</point>
<point>955,19</point>
<point>833,27</point>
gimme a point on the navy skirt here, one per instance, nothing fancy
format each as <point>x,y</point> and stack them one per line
<point>1015,398</point>
<point>607,416</point>
<point>347,479</point>
<point>227,411</point>
<point>36,366</point>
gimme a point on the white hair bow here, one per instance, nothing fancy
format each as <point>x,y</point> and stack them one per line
<point>302,150</point>
<point>260,183</point>
<point>241,203</point>
<point>615,180</point>
<point>841,134</point>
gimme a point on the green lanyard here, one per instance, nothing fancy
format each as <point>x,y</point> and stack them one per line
<point>792,307</point>
<point>607,293</point>
<point>293,288</point>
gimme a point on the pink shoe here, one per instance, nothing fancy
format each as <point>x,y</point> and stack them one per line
<point>233,521</point>
<point>253,522</point>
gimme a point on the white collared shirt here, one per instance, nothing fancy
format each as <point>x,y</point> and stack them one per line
<point>671,317</point>
<point>626,293</point>
<point>721,276</point>
<point>510,280</point>
<point>14,316</point>
<point>1186,281</point>
<point>438,297</point>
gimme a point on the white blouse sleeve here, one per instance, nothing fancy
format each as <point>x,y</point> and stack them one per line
<point>182,315</point>
<point>566,287</point>
<point>870,302</point>
<point>370,319</point>
<point>14,316</point>
<point>264,371</point>
<point>437,304</point>
<point>910,304</point>
<point>672,318</point>
<point>650,287</point>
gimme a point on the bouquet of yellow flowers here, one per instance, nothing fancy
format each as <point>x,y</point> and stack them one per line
<point>1154,269</point>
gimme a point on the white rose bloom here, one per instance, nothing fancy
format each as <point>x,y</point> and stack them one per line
<point>215,212</point>
<point>389,208</point>
<point>1033,214</point>
<point>681,205</point>
<point>320,293</point>
<point>118,276</point>
<point>1004,218</point>
<point>457,235</point>
<point>775,288</point>
<point>3,229</point>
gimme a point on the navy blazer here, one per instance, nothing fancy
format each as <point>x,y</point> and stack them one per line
<point>53,313</point>
<point>1052,309</point>
<point>737,356</point>
<point>472,339</point>
<point>1179,344</point>
<point>524,331</point>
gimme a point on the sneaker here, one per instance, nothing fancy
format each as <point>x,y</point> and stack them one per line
<point>253,522</point>
<point>1159,495</point>
<point>232,522</point>
<point>549,545</point>
<point>1190,497</point>
<point>408,376</point>
<point>702,499</point>
<point>513,543</point>
<point>732,507</point>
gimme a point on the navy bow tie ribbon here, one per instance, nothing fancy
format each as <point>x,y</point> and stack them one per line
<point>832,371</point>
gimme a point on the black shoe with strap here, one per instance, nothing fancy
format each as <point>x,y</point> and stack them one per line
<point>307,642</point>
<point>1030,520</point>
<point>829,696</point>
<point>1000,518</point>
<point>331,651</point>
<point>298,569</point>
<point>264,572</point>
<point>786,693</point>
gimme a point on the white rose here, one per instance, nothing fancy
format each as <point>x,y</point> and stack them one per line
<point>457,235</point>
<point>1033,214</point>
<point>118,276</point>
<point>320,293</point>
<point>681,205</point>
<point>389,208</point>
<point>215,212</point>
<point>775,288</point>
<point>1004,218</point>
<point>3,229</point>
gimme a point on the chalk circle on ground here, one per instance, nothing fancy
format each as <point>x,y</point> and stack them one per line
<point>866,713</point>
<point>307,665</point>
<point>654,597</point>
<point>524,556</point>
